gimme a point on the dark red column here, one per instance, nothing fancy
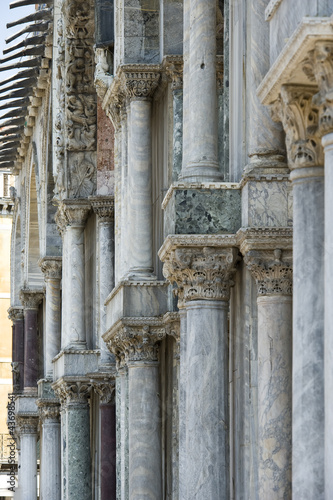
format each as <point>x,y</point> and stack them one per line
<point>16,315</point>
<point>108,451</point>
<point>19,349</point>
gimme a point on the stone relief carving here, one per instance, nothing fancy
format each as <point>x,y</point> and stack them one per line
<point>79,69</point>
<point>82,175</point>
<point>141,84</point>
<point>79,19</point>
<point>31,298</point>
<point>15,313</point>
<point>103,208</point>
<point>72,392</point>
<point>174,70</point>
<point>51,267</point>
<point>106,391</point>
<point>27,424</point>
<point>300,119</point>
<point>272,271</point>
<point>81,122</point>
<point>49,411</point>
<point>201,273</point>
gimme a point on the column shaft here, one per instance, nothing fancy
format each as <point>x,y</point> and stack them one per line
<point>50,487</point>
<point>308,335</point>
<point>274,395</point>
<point>145,471</point>
<point>106,280</point>
<point>19,333</point>
<point>182,403</point>
<point>207,411</point>
<point>52,324</point>
<point>28,472</point>
<point>202,100</point>
<point>108,451</point>
<point>140,254</point>
<point>31,357</point>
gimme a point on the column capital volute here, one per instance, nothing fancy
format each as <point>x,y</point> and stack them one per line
<point>140,81</point>
<point>15,313</point>
<point>51,267</point>
<point>72,391</point>
<point>31,298</point>
<point>135,340</point>
<point>105,388</point>
<point>300,119</point>
<point>27,424</point>
<point>173,67</point>
<point>200,272</point>
<point>72,213</point>
<point>103,206</point>
<point>49,410</point>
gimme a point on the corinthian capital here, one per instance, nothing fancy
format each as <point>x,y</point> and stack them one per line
<point>15,313</point>
<point>51,267</point>
<point>140,82</point>
<point>103,207</point>
<point>300,119</point>
<point>201,272</point>
<point>72,391</point>
<point>174,70</point>
<point>272,270</point>
<point>31,298</point>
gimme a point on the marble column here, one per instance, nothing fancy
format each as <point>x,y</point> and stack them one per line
<point>17,316</point>
<point>140,87</point>
<point>137,348</point>
<point>50,477</point>
<point>104,209</point>
<point>31,300</point>
<point>203,276</point>
<point>202,161</point>
<point>71,218</point>
<point>75,428</point>
<point>28,442</point>
<point>51,267</point>
<point>108,477</point>
<point>174,70</point>
<point>322,60</point>
<point>305,157</point>
<point>182,399</point>
<point>122,432</point>
<point>272,270</point>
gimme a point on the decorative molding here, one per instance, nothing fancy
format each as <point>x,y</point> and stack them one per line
<point>264,238</point>
<point>106,389</point>
<point>103,206</point>
<point>201,273</point>
<point>300,119</point>
<point>140,82</point>
<point>31,298</point>
<point>26,424</point>
<point>48,410</point>
<point>219,71</point>
<point>173,67</point>
<point>271,8</point>
<point>51,267</point>
<point>272,270</point>
<point>72,213</point>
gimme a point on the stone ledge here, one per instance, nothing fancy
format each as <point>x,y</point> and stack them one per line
<point>71,363</point>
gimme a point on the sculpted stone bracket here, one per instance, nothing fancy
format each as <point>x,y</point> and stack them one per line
<point>201,271</point>
<point>31,298</point>
<point>51,267</point>
<point>268,255</point>
<point>135,339</point>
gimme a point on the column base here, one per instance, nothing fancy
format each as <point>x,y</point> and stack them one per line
<point>204,171</point>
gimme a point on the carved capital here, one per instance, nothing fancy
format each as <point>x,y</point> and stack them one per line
<point>106,390</point>
<point>300,119</point>
<point>27,424</point>
<point>16,375</point>
<point>15,313</point>
<point>201,272</point>
<point>272,270</point>
<point>72,213</point>
<point>51,267</point>
<point>49,411</point>
<point>31,298</point>
<point>140,82</point>
<point>174,70</point>
<point>171,321</point>
<point>134,340</point>
<point>103,208</point>
<point>72,392</point>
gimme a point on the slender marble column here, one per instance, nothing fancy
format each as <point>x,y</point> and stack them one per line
<point>28,473</point>
<point>71,218</point>
<point>17,317</point>
<point>140,88</point>
<point>203,276</point>
<point>305,158</point>
<point>122,433</point>
<point>182,399</point>
<point>31,300</point>
<point>104,208</point>
<point>108,478</point>
<point>273,273</point>
<point>51,267</point>
<point>75,423</point>
<point>50,482</point>
<point>174,69</point>
<point>202,162</point>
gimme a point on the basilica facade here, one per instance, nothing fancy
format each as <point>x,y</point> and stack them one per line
<point>171,270</point>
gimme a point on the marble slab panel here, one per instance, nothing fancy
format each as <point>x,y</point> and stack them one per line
<point>26,405</point>
<point>69,363</point>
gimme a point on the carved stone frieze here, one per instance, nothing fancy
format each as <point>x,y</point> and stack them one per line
<point>31,298</point>
<point>174,69</point>
<point>201,272</point>
<point>81,122</point>
<point>82,173</point>
<point>300,119</point>
<point>140,83</point>
<point>272,270</point>
<point>51,267</point>
<point>80,20</point>
<point>103,208</point>
<point>27,424</point>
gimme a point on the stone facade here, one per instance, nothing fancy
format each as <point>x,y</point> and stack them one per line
<point>171,268</point>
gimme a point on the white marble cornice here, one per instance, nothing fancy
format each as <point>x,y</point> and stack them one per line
<point>264,238</point>
<point>288,67</point>
<point>197,185</point>
<point>174,241</point>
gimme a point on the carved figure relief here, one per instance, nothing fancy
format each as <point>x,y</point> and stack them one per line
<point>81,122</point>
<point>82,175</point>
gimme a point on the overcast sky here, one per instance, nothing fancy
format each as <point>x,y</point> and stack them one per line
<point>8,15</point>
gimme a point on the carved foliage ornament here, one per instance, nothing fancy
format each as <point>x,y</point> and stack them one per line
<point>300,119</point>
<point>27,425</point>
<point>103,208</point>
<point>51,268</point>
<point>82,175</point>
<point>141,84</point>
<point>73,392</point>
<point>271,270</point>
<point>174,70</point>
<point>201,273</point>
<point>105,390</point>
<point>130,344</point>
<point>49,411</point>
<point>31,298</point>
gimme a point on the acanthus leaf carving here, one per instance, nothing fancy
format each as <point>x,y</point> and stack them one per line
<point>82,172</point>
<point>272,270</point>
<point>140,84</point>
